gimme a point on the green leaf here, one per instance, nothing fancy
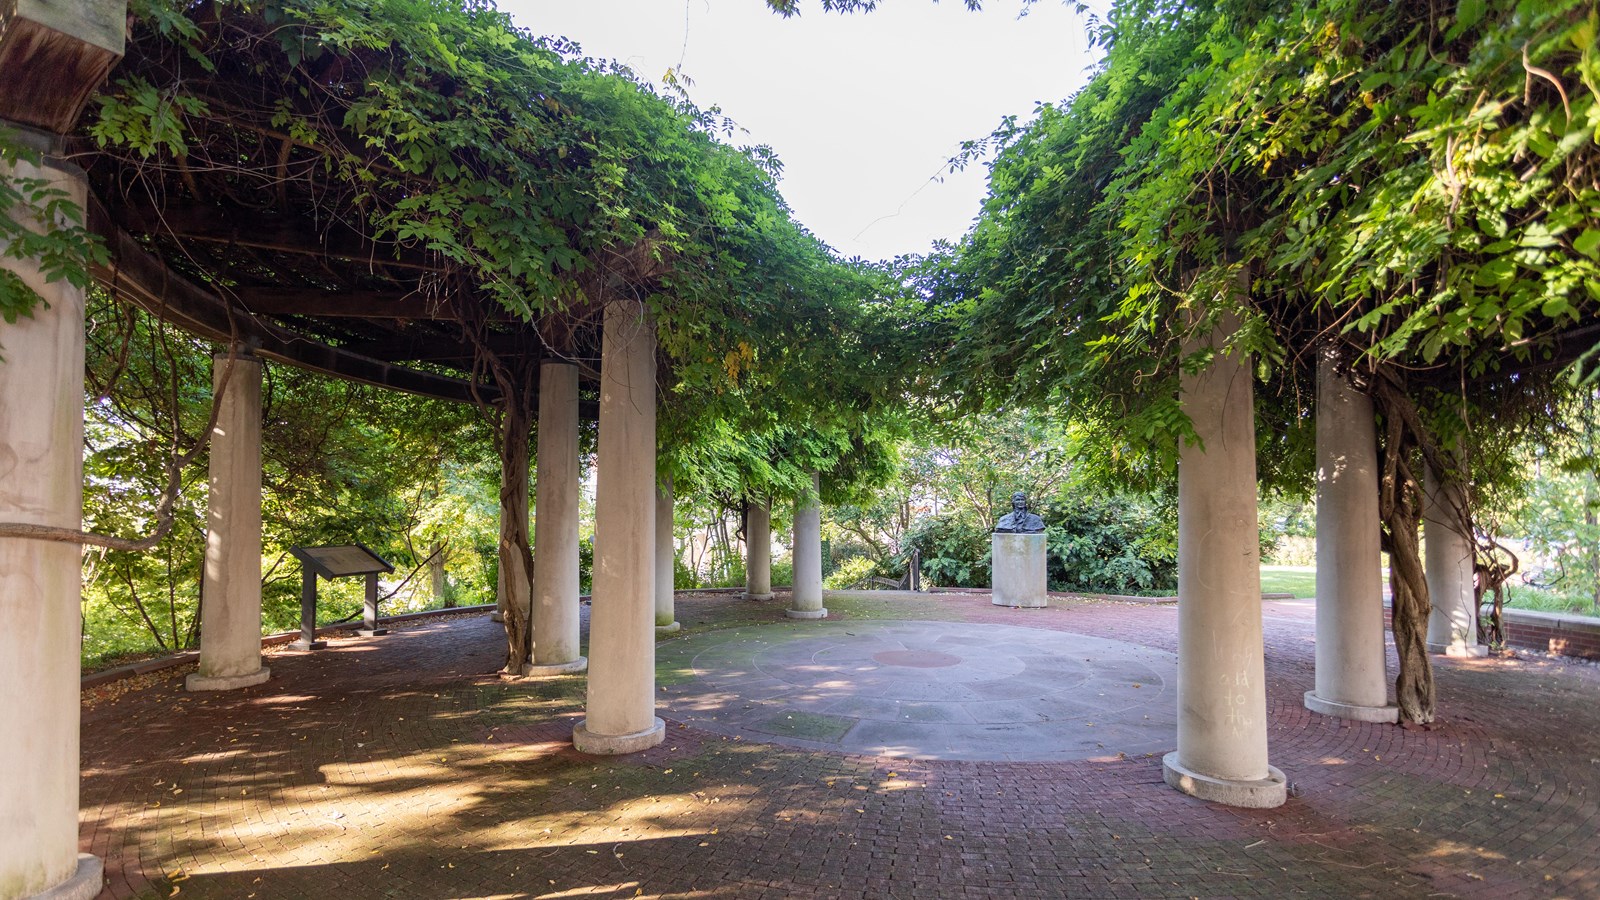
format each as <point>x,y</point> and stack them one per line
<point>1588,243</point>
<point>1468,14</point>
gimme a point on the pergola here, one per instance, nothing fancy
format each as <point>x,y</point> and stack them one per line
<point>236,248</point>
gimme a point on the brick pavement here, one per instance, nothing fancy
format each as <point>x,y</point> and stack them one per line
<point>402,767</point>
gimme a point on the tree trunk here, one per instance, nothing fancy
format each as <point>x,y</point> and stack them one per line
<point>1400,506</point>
<point>438,580</point>
<point>516,544</point>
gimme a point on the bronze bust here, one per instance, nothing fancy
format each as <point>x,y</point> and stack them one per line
<point>1019,520</point>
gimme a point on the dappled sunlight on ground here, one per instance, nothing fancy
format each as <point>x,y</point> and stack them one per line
<point>408,768</point>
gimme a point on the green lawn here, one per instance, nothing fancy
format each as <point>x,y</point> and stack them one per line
<point>1300,581</point>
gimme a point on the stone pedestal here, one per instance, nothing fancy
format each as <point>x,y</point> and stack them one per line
<point>41,483</point>
<point>1222,698</point>
<point>1019,570</point>
<point>1350,678</point>
<point>555,526</point>
<point>758,552</point>
<point>620,709</point>
<point>666,552</point>
<point>230,600</point>
<point>806,601</point>
<point>1447,552</point>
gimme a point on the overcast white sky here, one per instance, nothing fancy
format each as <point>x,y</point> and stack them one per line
<point>863,109</point>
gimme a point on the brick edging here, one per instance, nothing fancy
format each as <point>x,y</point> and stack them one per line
<point>146,666</point>
<point>1566,634</point>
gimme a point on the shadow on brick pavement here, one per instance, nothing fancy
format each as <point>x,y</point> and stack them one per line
<point>403,766</point>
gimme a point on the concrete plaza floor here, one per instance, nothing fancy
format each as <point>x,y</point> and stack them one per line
<point>401,766</point>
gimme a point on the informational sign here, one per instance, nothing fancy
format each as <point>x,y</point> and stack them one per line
<point>336,562</point>
<point>341,560</point>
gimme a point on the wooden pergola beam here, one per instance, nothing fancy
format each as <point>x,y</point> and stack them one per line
<point>137,275</point>
<point>346,304</point>
<point>211,224</point>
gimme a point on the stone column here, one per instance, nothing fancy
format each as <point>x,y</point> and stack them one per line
<point>1222,699</point>
<point>620,710</point>
<point>230,593</point>
<point>806,602</point>
<point>1447,554</point>
<point>555,525</point>
<point>1351,682</point>
<point>41,483</point>
<point>758,551</point>
<point>499,614</point>
<point>666,552</point>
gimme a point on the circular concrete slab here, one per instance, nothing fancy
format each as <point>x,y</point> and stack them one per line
<point>925,690</point>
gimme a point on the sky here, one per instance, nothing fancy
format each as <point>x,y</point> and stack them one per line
<point>864,110</point>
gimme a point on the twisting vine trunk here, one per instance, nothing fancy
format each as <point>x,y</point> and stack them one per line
<point>517,379</point>
<point>1400,507</point>
<point>516,543</point>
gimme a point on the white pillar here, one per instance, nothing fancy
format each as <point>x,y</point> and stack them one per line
<point>555,525</point>
<point>1222,699</point>
<point>1350,679</point>
<point>1447,554</point>
<point>230,597</point>
<point>666,552</point>
<point>620,710</point>
<point>41,483</point>
<point>499,614</point>
<point>806,602</point>
<point>758,551</point>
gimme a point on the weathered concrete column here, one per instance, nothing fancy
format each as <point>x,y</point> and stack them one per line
<point>806,602</point>
<point>230,599</point>
<point>499,614</point>
<point>666,552</point>
<point>620,711</point>
<point>41,483</point>
<point>758,551</point>
<point>555,526</point>
<point>1447,554</point>
<point>1222,698</point>
<point>1351,682</point>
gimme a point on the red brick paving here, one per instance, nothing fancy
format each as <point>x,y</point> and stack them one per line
<point>401,767</point>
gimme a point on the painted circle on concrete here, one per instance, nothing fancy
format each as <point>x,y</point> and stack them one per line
<point>932,690</point>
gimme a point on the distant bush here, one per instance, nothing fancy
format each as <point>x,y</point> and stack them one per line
<point>849,573</point>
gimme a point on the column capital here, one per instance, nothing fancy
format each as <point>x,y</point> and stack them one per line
<point>54,56</point>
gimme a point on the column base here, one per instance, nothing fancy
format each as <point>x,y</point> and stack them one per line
<point>1264,794</point>
<point>85,884</point>
<point>766,596</point>
<point>198,682</point>
<point>497,616</point>
<point>1021,604</point>
<point>372,632</point>
<point>806,613</point>
<point>307,645</point>
<point>668,629</point>
<point>1382,714</point>
<point>586,741</point>
<point>1459,651</point>
<point>581,664</point>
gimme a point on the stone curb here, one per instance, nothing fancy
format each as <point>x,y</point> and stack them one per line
<point>146,666</point>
